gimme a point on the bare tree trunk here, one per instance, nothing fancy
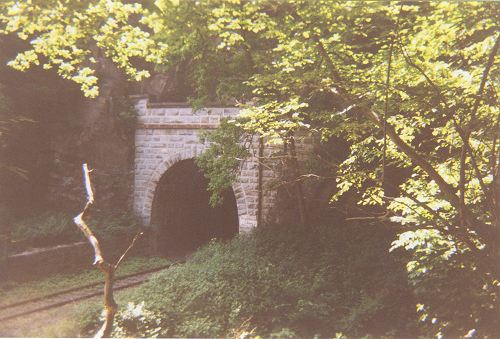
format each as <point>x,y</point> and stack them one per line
<point>108,269</point>
<point>110,305</point>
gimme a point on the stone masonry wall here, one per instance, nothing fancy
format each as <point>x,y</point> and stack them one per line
<point>167,133</point>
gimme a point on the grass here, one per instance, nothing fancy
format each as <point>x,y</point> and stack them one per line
<point>63,322</point>
<point>11,291</point>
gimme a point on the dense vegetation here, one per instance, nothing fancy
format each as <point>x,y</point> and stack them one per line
<point>408,90</point>
<point>54,228</point>
<point>287,281</point>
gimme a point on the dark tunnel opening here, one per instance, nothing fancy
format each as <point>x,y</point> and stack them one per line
<point>182,214</point>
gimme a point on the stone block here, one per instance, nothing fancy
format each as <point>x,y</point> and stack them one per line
<point>185,111</point>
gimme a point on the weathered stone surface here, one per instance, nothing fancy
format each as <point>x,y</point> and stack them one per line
<point>166,135</point>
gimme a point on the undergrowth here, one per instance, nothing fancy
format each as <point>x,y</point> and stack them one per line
<point>44,230</point>
<point>277,281</point>
<point>51,229</point>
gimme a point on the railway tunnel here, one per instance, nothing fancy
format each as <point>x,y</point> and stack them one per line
<point>181,213</point>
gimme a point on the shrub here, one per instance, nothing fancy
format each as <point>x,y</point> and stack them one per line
<point>280,282</point>
<point>109,227</point>
<point>54,228</point>
<point>45,230</point>
<point>453,298</point>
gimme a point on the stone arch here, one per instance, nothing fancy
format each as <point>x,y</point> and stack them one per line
<point>165,165</point>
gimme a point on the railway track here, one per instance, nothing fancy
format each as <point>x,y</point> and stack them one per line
<point>71,295</point>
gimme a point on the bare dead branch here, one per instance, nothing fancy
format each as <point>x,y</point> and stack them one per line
<point>132,243</point>
<point>82,224</point>
<point>88,184</point>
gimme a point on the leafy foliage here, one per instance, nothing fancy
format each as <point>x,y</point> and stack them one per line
<point>58,228</point>
<point>222,161</point>
<point>463,304</point>
<point>71,37</point>
<point>408,86</point>
<point>44,230</point>
<point>318,280</point>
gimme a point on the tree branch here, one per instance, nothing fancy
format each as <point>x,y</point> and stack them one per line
<point>479,95</point>
<point>463,238</point>
<point>468,129</point>
<point>383,217</point>
<point>464,135</point>
<point>418,159</point>
<point>447,189</point>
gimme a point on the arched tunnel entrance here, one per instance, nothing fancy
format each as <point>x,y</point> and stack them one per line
<point>182,214</point>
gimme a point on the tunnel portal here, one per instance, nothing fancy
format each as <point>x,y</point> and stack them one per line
<point>181,213</point>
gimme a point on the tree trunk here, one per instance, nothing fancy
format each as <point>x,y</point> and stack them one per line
<point>299,192</point>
